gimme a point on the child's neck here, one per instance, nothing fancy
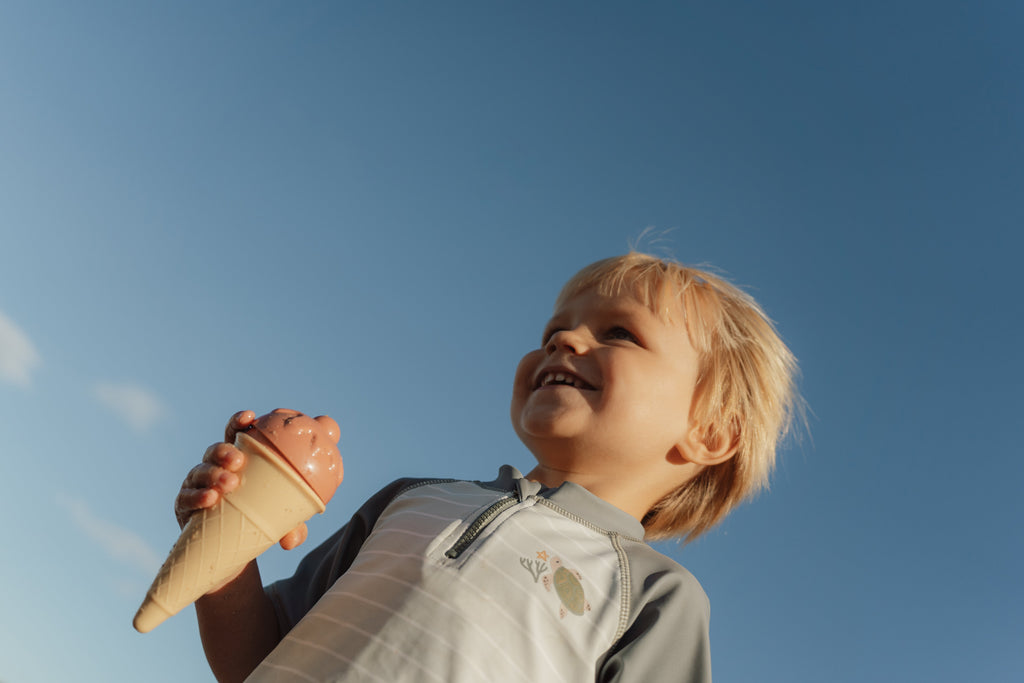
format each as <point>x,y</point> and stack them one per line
<point>632,499</point>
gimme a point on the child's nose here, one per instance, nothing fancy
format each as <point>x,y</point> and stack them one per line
<point>572,341</point>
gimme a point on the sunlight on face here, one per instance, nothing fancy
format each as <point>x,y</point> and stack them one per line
<point>610,387</point>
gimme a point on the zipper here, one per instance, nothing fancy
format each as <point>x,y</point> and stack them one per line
<point>480,523</point>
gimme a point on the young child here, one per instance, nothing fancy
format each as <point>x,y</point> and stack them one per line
<point>653,407</point>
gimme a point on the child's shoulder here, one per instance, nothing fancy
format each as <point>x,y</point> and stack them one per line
<point>655,575</point>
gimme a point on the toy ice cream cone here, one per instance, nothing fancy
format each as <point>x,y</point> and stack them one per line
<point>275,494</point>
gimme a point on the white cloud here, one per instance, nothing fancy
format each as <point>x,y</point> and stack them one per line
<point>18,356</point>
<point>137,406</point>
<point>119,543</point>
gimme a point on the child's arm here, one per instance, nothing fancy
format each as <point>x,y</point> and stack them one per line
<point>237,621</point>
<point>238,626</point>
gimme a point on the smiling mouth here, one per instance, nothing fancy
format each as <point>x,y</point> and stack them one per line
<point>562,379</point>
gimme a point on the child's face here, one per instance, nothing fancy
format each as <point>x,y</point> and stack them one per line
<point>610,389</point>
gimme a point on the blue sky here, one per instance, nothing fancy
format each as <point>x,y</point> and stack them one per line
<point>366,210</point>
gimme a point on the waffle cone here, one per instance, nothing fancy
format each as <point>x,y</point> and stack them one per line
<point>271,500</point>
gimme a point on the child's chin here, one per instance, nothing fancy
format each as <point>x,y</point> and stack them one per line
<point>538,427</point>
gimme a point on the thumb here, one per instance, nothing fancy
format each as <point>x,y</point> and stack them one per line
<point>295,537</point>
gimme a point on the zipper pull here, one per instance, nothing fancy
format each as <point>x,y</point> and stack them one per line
<point>480,523</point>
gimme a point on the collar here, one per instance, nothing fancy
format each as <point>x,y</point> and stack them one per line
<point>574,499</point>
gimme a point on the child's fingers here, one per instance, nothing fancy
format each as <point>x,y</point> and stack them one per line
<point>190,501</point>
<point>208,481</point>
<point>203,486</point>
<point>238,422</point>
<point>209,476</point>
<point>295,537</point>
<point>225,455</point>
<point>217,474</point>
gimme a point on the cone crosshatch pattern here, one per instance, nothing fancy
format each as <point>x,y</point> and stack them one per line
<point>222,536</point>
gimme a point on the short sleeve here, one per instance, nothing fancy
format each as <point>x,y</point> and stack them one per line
<point>668,641</point>
<point>295,596</point>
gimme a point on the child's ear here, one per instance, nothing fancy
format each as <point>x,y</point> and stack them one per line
<point>701,448</point>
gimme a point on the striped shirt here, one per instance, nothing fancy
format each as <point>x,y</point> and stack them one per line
<point>457,581</point>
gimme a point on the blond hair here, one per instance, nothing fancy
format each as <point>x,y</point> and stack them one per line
<point>745,395</point>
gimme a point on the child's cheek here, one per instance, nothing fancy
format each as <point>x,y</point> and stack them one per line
<point>523,382</point>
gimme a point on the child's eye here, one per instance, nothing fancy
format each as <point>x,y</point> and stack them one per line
<point>622,333</point>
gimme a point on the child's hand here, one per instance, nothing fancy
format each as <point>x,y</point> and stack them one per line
<point>217,475</point>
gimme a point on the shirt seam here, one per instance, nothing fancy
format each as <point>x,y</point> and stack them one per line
<point>625,589</point>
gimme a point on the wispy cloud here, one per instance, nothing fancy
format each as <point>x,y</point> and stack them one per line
<point>18,356</point>
<point>137,406</point>
<point>119,543</point>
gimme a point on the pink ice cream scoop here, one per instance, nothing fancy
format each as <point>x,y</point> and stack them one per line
<point>308,444</point>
